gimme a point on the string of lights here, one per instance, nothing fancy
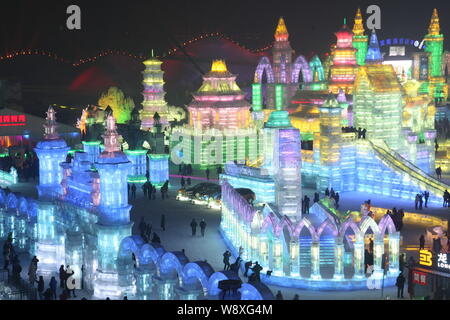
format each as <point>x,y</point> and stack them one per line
<point>79,62</point>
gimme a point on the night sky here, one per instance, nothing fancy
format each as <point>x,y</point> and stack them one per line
<point>138,26</point>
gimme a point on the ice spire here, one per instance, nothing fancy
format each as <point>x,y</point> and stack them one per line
<point>219,66</point>
<point>434,28</point>
<point>373,53</point>
<point>111,137</point>
<point>330,101</point>
<point>281,33</point>
<point>358,27</point>
<point>50,125</point>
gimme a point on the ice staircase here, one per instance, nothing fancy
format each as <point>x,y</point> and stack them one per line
<point>305,251</point>
<point>327,250</point>
<point>401,166</point>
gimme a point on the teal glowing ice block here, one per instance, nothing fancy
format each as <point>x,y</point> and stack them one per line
<point>159,168</point>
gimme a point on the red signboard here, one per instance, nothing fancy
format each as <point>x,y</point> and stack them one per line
<point>13,120</point>
<point>420,278</point>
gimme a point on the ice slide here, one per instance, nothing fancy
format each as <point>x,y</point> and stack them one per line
<point>402,166</point>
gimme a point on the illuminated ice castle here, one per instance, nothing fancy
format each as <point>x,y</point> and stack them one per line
<point>82,219</point>
<point>397,158</point>
<point>322,250</point>
<point>325,249</point>
<point>284,72</point>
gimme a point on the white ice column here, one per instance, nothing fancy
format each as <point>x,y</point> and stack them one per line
<point>339,259</point>
<point>315,260</point>
<point>277,254</point>
<point>358,259</point>
<point>294,255</point>
<point>394,250</point>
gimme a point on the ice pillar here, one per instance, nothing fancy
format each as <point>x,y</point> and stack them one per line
<point>159,168</point>
<point>378,250</point>
<point>339,259</point>
<point>295,258</point>
<point>394,250</point>
<point>358,259</point>
<point>138,171</point>
<point>264,250</point>
<point>315,260</point>
<point>144,281</point>
<point>277,257</point>
<point>254,246</point>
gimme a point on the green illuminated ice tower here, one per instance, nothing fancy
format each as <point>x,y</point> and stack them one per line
<point>434,44</point>
<point>359,39</point>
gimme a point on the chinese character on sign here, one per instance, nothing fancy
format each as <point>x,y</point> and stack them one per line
<point>423,279</point>
<point>419,278</point>
<point>442,257</point>
<point>13,120</point>
<point>425,258</point>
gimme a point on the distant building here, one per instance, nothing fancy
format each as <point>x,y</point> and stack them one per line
<point>23,129</point>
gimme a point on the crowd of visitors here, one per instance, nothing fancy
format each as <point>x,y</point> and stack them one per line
<point>361,132</point>
<point>26,163</point>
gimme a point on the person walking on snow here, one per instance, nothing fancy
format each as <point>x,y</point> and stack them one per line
<point>400,284</point>
<point>202,227</point>
<point>194,227</point>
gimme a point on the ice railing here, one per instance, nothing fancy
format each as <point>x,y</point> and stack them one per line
<point>404,165</point>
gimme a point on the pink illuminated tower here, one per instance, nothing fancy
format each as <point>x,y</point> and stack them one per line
<point>219,103</point>
<point>343,70</point>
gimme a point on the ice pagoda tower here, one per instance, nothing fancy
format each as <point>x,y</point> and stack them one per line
<point>113,223</point>
<point>51,152</point>
<point>153,95</point>
<point>343,69</point>
<point>283,159</point>
<point>359,39</point>
<point>434,44</point>
<point>220,127</point>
